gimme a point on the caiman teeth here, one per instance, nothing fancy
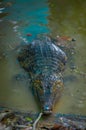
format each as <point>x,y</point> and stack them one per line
<point>47,112</point>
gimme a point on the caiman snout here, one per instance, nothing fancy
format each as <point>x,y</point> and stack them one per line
<point>47,110</point>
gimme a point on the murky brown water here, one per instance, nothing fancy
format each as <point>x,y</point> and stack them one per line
<point>12,93</point>
<point>67,18</point>
<point>64,18</point>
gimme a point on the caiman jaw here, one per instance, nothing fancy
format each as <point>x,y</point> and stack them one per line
<point>47,112</point>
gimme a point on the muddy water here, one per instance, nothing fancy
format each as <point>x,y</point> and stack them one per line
<point>68,19</point>
<point>22,17</point>
<point>13,93</point>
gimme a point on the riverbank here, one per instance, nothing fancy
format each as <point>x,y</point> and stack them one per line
<point>11,119</point>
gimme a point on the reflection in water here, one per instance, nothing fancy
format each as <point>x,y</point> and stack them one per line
<point>23,17</point>
<point>68,19</point>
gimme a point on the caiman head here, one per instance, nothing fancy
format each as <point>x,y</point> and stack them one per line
<point>48,90</point>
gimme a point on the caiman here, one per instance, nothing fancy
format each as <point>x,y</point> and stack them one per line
<point>44,62</point>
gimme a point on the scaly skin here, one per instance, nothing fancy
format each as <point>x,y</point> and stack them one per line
<point>44,62</point>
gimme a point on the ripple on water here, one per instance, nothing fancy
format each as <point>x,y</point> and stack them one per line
<point>81,105</point>
<point>80,100</point>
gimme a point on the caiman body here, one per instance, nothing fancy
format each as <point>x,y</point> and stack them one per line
<point>44,62</point>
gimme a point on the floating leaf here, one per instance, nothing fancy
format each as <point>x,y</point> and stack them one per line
<point>28,119</point>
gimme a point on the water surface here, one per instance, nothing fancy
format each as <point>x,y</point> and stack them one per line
<point>68,19</point>
<point>56,17</point>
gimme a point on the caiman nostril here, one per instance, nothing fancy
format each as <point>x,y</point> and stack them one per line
<point>47,110</point>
